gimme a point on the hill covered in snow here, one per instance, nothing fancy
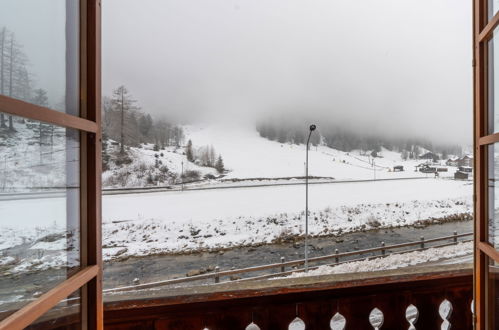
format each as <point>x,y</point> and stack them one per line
<point>246,156</point>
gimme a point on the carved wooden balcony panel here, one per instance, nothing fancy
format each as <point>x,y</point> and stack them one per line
<point>432,301</point>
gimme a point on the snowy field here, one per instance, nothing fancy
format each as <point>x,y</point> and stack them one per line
<point>176,222</point>
<point>183,221</point>
<point>30,161</point>
<point>248,156</point>
<point>34,231</point>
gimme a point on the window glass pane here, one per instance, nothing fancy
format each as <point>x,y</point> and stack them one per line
<point>493,7</point>
<point>204,144</point>
<point>493,190</point>
<point>65,315</point>
<point>39,60</point>
<point>39,210</point>
<point>493,95</point>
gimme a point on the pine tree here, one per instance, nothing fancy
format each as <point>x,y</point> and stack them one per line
<point>315,139</point>
<point>212,156</point>
<point>14,77</point>
<point>281,138</point>
<point>105,155</point>
<point>40,98</point>
<point>145,125</point>
<point>123,103</point>
<point>299,137</point>
<point>3,37</point>
<point>219,165</point>
<point>188,151</point>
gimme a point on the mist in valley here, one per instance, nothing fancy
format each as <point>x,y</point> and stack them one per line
<point>394,69</point>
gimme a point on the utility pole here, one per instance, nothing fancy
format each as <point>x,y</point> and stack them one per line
<point>312,128</point>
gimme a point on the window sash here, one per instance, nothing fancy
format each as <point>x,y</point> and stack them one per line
<point>89,278</point>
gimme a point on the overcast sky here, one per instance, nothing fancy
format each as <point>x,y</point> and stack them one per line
<point>392,65</point>
<point>39,28</point>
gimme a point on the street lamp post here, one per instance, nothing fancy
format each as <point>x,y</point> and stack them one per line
<point>312,128</point>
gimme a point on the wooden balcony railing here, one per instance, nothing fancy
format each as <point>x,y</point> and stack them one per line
<point>429,298</point>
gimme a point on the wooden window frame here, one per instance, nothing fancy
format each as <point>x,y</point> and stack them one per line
<point>89,278</point>
<point>483,30</point>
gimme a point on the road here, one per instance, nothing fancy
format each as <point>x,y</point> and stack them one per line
<point>61,192</point>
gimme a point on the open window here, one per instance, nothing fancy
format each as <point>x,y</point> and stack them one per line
<point>487,163</point>
<point>50,177</point>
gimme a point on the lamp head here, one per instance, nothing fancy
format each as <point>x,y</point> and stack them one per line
<point>312,127</point>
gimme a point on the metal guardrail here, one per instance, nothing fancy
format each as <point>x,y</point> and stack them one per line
<point>217,274</point>
<point>228,185</point>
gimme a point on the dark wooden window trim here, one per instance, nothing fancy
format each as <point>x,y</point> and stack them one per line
<point>488,139</point>
<point>32,111</point>
<point>25,316</point>
<point>489,250</point>
<point>89,278</point>
<point>483,30</point>
<point>487,32</point>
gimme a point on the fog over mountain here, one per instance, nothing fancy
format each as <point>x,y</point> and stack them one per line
<point>399,67</point>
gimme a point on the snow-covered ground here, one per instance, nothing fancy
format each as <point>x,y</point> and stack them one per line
<point>192,220</point>
<point>150,168</point>
<point>394,261</point>
<point>176,221</point>
<point>30,163</point>
<point>206,205</point>
<point>247,155</point>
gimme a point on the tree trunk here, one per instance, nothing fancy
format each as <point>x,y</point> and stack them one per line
<point>11,71</point>
<point>40,141</point>
<point>122,133</point>
<point>2,69</point>
<point>2,61</point>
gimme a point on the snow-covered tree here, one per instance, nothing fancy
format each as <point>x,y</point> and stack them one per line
<point>14,76</point>
<point>145,125</point>
<point>123,103</point>
<point>40,97</point>
<point>188,151</point>
<point>219,165</point>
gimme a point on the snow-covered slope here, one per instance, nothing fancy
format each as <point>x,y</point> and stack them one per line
<point>29,162</point>
<point>247,155</point>
<point>148,167</point>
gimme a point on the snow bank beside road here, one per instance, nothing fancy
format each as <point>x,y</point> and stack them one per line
<point>394,261</point>
<point>202,206</point>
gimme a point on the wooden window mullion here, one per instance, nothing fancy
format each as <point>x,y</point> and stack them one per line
<point>32,111</point>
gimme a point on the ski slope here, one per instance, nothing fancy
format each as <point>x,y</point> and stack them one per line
<point>247,155</point>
